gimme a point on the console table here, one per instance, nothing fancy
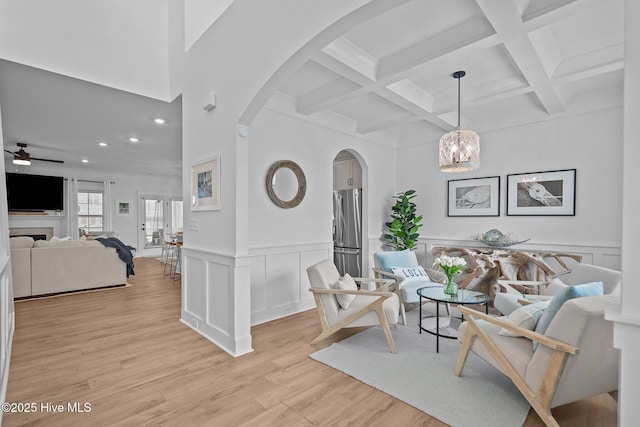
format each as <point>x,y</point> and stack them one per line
<point>486,265</point>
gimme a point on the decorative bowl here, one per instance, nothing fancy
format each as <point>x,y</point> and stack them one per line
<point>496,239</point>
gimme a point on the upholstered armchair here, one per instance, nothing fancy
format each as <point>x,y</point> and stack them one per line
<point>341,304</point>
<point>569,358</point>
<point>405,285</point>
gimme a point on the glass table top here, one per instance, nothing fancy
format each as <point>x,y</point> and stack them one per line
<point>464,296</point>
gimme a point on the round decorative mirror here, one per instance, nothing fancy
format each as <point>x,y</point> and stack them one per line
<point>286,184</point>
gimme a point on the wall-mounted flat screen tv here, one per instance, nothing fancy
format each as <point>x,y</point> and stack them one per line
<point>33,193</point>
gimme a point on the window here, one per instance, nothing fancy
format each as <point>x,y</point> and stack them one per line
<point>90,215</point>
<point>176,215</point>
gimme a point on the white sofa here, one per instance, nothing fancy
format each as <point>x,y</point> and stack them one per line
<point>47,267</point>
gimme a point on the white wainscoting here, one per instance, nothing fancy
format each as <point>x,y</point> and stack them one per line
<point>216,298</point>
<point>279,282</point>
<point>7,324</point>
<point>219,291</point>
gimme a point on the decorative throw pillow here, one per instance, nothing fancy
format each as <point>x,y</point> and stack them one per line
<point>570,292</point>
<point>348,284</point>
<point>526,317</point>
<point>389,259</point>
<point>411,274</point>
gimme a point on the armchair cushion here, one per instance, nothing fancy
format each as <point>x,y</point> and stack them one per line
<point>570,292</point>
<point>348,284</point>
<point>410,290</point>
<point>389,259</point>
<point>526,316</point>
<point>391,307</point>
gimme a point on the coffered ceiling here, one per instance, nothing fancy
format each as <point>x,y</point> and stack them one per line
<point>526,61</point>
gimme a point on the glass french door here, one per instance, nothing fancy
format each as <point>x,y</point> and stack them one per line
<point>160,217</point>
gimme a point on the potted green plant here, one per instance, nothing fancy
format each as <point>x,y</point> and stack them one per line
<point>403,227</point>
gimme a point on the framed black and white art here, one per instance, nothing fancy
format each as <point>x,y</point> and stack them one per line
<point>474,197</point>
<point>542,193</point>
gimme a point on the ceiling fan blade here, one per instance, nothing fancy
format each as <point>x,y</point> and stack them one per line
<point>47,160</point>
<point>10,152</point>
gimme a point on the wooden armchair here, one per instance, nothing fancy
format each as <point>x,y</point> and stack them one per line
<point>574,359</point>
<point>368,308</point>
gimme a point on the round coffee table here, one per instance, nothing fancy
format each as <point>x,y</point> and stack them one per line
<point>436,294</point>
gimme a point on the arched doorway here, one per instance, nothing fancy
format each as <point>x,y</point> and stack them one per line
<point>347,214</point>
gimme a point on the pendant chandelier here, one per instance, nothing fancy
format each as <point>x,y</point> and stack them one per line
<point>460,148</point>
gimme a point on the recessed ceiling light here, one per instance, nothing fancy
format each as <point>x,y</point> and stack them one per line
<point>159,120</point>
<point>85,161</point>
<point>134,139</point>
<point>102,144</point>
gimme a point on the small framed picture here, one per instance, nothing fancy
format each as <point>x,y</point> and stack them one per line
<point>205,185</point>
<point>474,197</point>
<point>123,208</point>
<point>542,193</point>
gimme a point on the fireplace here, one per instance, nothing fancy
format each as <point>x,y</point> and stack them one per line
<point>37,233</point>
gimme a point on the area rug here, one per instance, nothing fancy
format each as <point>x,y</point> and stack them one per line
<point>424,379</point>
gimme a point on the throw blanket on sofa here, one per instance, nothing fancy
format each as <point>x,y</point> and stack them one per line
<point>124,251</point>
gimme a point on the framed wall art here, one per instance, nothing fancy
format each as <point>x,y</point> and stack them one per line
<point>542,193</point>
<point>123,208</point>
<point>474,197</point>
<point>205,185</point>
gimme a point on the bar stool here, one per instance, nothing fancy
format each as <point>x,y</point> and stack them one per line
<point>177,268</point>
<point>169,254</point>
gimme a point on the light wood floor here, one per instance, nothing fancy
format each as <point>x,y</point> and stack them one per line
<point>125,352</point>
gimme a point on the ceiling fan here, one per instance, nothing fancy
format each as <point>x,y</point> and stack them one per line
<point>21,157</point>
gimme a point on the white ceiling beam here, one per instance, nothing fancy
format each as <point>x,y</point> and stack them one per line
<point>442,43</point>
<point>329,94</point>
<point>413,93</point>
<point>358,71</point>
<point>352,56</point>
<point>581,105</point>
<point>590,64</point>
<point>506,19</point>
<point>386,122</point>
<point>543,18</point>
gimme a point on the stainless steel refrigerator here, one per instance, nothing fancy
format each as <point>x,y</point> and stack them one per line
<point>347,231</point>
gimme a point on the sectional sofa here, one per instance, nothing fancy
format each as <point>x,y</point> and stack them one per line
<point>46,267</point>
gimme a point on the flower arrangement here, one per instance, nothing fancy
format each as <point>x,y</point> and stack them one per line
<point>451,266</point>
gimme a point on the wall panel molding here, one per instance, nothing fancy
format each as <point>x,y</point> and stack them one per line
<point>279,283</point>
<point>215,292</point>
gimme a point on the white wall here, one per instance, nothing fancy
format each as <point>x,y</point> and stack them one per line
<point>284,242</point>
<point>591,143</point>
<point>264,55</point>
<point>125,188</point>
<point>100,47</point>
<point>626,314</point>
<point>278,136</point>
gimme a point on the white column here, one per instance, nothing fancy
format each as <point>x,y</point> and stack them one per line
<point>627,314</point>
